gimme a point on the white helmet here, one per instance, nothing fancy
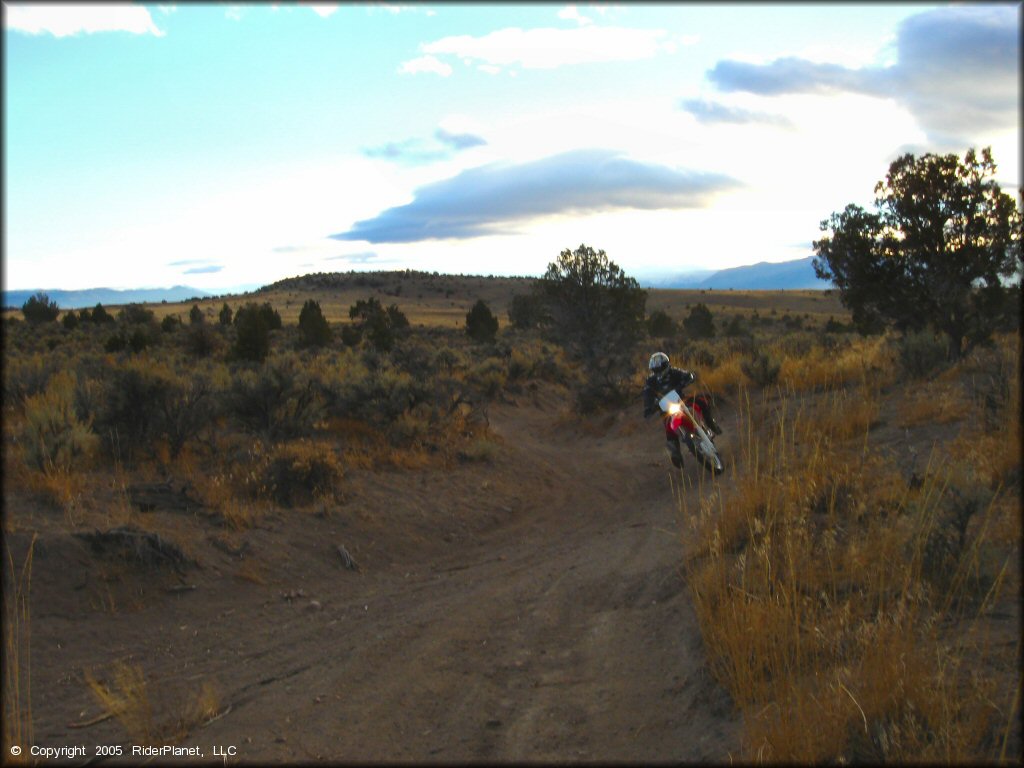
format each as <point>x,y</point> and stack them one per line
<point>659,363</point>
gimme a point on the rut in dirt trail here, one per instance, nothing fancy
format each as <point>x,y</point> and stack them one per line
<point>560,630</point>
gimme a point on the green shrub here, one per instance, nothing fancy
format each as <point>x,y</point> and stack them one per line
<point>253,324</point>
<point>136,314</point>
<point>659,324</point>
<point>70,321</point>
<point>195,315</point>
<point>313,328</point>
<point>301,472</point>
<point>130,416</point>
<point>40,309</point>
<point>698,355</point>
<point>380,327</point>
<point>736,326</point>
<point>834,326</point>
<point>202,340</point>
<point>699,323</point>
<point>762,369</point>
<point>100,316</point>
<point>488,377</point>
<point>280,399</point>
<point>53,436</point>
<point>920,354</point>
<point>481,324</point>
<point>28,375</point>
<point>526,311</point>
<point>225,314</point>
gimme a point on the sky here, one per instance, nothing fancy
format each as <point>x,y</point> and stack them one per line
<point>224,147</point>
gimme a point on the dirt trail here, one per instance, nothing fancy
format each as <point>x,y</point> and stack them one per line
<point>529,609</point>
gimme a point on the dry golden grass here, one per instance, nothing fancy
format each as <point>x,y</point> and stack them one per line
<point>834,608</point>
<point>726,376</point>
<point>17,672</point>
<point>125,696</point>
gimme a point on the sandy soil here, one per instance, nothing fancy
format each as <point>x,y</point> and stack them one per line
<point>529,608</point>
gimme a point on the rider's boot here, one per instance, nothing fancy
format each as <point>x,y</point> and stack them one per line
<point>712,424</point>
<point>672,446</point>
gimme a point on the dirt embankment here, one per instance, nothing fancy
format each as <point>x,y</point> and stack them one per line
<point>528,608</point>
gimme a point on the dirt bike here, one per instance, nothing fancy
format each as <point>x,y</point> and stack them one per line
<point>685,420</point>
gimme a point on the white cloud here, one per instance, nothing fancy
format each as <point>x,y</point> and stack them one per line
<point>570,13</point>
<point>67,20</point>
<point>425,64</point>
<point>547,48</point>
<point>323,10</point>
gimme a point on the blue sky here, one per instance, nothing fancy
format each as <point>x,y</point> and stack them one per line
<point>227,146</point>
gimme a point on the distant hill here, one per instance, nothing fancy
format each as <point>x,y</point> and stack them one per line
<point>763,276</point>
<point>90,297</point>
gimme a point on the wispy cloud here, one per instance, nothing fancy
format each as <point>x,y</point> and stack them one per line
<point>491,199</point>
<point>549,48</point>
<point>364,257</point>
<point>204,270</point>
<point>409,151</point>
<point>78,19</point>
<point>711,112</point>
<point>957,71</point>
<point>459,141</point>
<point>446,143</point>
<point>425,64</point>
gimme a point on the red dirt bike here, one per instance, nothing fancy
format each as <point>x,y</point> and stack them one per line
<point>684,420</point>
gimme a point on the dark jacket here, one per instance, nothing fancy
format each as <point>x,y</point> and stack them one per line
<point>656,387</point>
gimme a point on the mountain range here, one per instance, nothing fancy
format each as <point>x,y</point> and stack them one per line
<point>90,297</point>
<point>763,276</point>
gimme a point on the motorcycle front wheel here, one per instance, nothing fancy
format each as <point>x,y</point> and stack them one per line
<point>707,455</point>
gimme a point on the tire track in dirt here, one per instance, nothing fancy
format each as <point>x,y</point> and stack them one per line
<point>536,611</point>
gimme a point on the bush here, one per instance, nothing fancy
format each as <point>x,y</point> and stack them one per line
<point>225,314</point>
<point>130,416</point>
<point>379,326</point>
<point>313,328</point>
<point>201,340</point>
<point>40,309</point>
<point>70,321</point>
<point>698,355</point>
<point>736,327</point>
<point>921,353</point>
<point>762,369</point>
<point>834,326</point>
<point>298,473</point>
<point>481,324</point>
<point>660,324</point>
<point>54,437</point>
<point>100,316</point>
<point>253,324</point>
<point>699,323</point>
<point>526,312</point>
<point>278,400</point>
<point>136,314</point>
<point>170,323</point>
<point>195,315</point>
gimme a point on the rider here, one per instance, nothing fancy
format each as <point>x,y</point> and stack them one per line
<point>663,379</point>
